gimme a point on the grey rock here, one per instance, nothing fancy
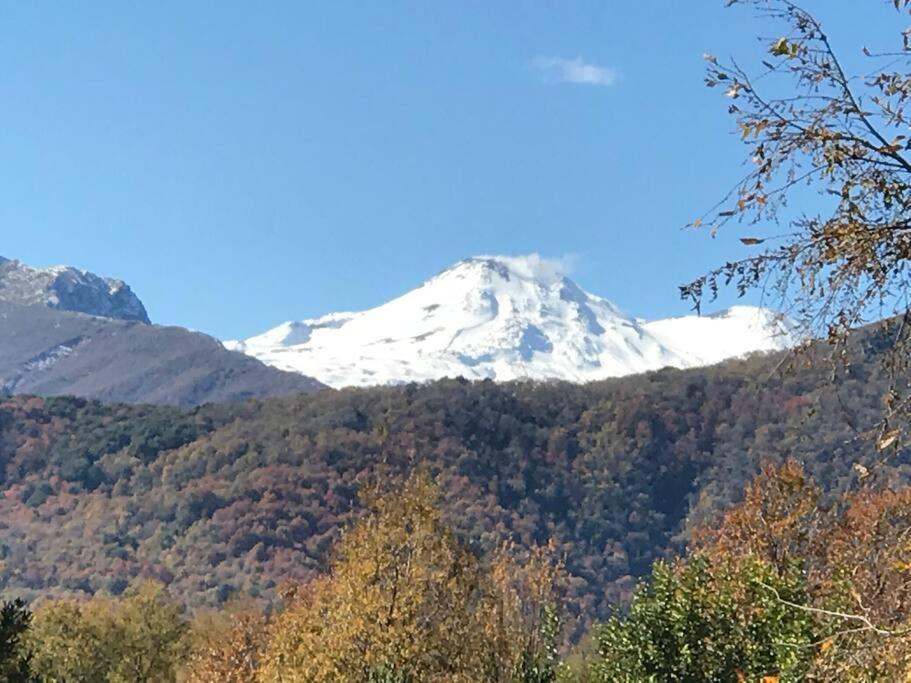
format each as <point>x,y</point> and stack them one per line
<point>69,289</point>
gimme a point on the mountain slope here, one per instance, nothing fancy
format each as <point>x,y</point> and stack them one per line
<point>50,352</point>
<point>505,318</point>
<point>237,498</point>
<point>69,289</point>
<point>731,333</point>
<point>68,331</point>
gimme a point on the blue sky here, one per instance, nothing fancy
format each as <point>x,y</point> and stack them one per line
<point>240,165</point>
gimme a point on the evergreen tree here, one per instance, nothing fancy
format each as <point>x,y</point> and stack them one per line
<point>15,661</point>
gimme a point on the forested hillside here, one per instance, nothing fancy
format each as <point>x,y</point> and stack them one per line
<point>226,500</point>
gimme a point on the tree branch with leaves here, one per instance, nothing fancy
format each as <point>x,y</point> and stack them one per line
<point>813,130</point>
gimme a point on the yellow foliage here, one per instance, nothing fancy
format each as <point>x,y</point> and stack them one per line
<point>225,646</point>
<point>404,596</point>
<point>136,639</point>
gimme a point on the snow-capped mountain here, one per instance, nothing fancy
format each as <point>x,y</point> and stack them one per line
<point>506,318</point>
<point>65,331</point>
<point>69,289</point>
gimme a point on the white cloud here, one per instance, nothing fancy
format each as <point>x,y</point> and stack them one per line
<point>576,71</point>
<point>537,267</point>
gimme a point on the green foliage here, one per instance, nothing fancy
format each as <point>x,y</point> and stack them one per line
<point>541,664</point>
<point>96,431</point>
<point>15,660</point>
<point>698,623</point>
<point>35,495</point>
<point>387,674</point>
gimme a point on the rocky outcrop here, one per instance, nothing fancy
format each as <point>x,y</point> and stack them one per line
<point>69,289</point>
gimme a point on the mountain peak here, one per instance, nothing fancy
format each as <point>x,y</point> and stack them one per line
<point>69,289</point>
<point>528,267</point>
<point>504,317</point>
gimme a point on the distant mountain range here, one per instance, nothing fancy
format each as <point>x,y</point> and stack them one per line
<point>68,331</point>
<point>64,331</point>
<point>506,318</point>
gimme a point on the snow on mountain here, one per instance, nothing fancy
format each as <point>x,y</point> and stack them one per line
<point>505,318</point>
<point>69,289</point>
<point>733,332</point>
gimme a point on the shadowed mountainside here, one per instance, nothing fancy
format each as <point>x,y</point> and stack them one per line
<point>50,352</point>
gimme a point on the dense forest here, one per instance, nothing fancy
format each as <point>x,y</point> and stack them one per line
<point>789,585</point>
<point>230,500</point>
<point>748,522</point>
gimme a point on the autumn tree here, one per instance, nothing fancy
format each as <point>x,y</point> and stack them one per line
<point>522,621</point>
<point>780,519</point>
<point>865,577</point>
<point>406,601</point>
<point>853,554</point>
<point>792,584</point>
<point>226,645</point>
<point>813,128</point>
<point>134,639</point>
